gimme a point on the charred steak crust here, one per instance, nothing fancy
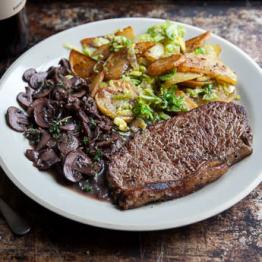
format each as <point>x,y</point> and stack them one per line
<point>176,157</point>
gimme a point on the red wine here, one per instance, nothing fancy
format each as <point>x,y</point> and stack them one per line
<point>13,27</point>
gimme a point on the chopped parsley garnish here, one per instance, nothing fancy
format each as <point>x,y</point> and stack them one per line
<point>92,122</point>
<point>85,140</point>
<point>98,155</point>
<point>86,187</point>
<point>55,126</point>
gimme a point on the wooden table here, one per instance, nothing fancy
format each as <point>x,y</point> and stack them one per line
<point>234,235</point>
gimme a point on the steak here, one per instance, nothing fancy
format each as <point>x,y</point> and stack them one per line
<point>176,157</point>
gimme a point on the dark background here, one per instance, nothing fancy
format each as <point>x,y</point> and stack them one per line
<point>234,235</point>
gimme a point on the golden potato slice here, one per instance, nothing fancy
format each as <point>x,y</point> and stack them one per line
<point>94,86</point>
<point>164,65</point>
<point>155,52</point>
<point>89,41</point>
<point>116,65</point>
<point>128,32</point>
<point>103,51</point>
<point>203,78</point>
<point>138,123</point>
<point>190,103</point>
<point>197,41</point>
<point>94,41</point>
<point>206,65</point>
<point>213,50</point>
<point>181,77</point>
<point>81,65</point>
<point>142,47</point>
<point>226,96</point>
<point>115,100</point>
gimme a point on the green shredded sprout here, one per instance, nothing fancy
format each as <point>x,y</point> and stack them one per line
<point>169,34</point>
<point>168,76</point>
<point>118,42</point>
<point>143,110</point>
<point>152,107</point>
<point>207,93</point>
<point>99,41</point>
<point>200,51</point>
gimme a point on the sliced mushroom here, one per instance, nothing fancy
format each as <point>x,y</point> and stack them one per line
<point>37,80</point>
<point>25,98</point>
<point>83,116</point>
<point>73,103</point>
<point>79,94</point>
<point>76,164</point>
<point>28,74</point>
<point>68,127</point>
<point>77,83</point>
<point>45,112</point>
<point>96,134</point>
<point>65,65</point>
<point>31,107</point>
<point>42,92</point>
<point>90,106</point>
<point>54,74</point>
<point>87,130</point>
<point>32,155</point>
<point>17,119</point>
<point>46,159</point>
<point>68,143</point>
<point>85,166</point>
<point>44,138</point>
<point>105,123</point>
<point>59,94</point>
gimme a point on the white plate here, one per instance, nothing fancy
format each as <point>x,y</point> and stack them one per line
<point>42,187</point>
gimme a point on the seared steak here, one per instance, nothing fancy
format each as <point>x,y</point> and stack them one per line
<point>176,157</point>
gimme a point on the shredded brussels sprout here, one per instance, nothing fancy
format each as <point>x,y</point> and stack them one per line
<point>168,76</point>
<point>118,42</point>
<point>169,34</point>
<point>121,123</point>
<point>99,41</point>
<point>207,93</point>
<point>200,51</point>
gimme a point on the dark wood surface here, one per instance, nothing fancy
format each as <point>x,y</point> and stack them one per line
<point>234,235</point>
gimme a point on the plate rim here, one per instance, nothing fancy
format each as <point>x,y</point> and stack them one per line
<point>192,219</point>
